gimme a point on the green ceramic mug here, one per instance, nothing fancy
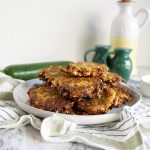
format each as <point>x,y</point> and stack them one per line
<point>101,54</point>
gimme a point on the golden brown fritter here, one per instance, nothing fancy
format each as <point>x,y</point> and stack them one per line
<point>77,87</point>
<point>85,69</point>
<point>98,105</point>
<point>122,96</point>
<point>52,72</point>
<point>111,78</point>
<point>47,98</point>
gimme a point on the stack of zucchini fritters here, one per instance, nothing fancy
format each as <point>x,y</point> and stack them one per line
<point>83,88</point>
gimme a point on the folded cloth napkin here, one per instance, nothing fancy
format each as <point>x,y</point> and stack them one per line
<point>125,133</point>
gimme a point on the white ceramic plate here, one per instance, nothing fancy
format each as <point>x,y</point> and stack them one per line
<point>21,98</point>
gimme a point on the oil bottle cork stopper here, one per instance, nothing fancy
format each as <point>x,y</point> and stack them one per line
<point>124,1</point>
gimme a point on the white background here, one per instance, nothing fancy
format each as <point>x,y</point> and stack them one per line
<point>49,30</point>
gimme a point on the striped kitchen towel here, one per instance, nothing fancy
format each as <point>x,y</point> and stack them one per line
<point>125,133</point>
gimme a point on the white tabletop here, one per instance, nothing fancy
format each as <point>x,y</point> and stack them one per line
<point>26,138</point>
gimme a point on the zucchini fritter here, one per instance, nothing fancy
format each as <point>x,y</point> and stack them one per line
<point>111,78</point>
<point>77,87</point>
<point>122,96</point>
<point>47,98</point>
<point>86,69</point>
<point>52,72</point>
<point>98,105</point>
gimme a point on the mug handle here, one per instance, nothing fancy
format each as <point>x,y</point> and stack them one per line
<point>105,58</point>
<point>87,52</point>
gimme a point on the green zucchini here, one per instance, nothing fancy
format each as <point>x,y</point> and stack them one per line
<point>30,71</point>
